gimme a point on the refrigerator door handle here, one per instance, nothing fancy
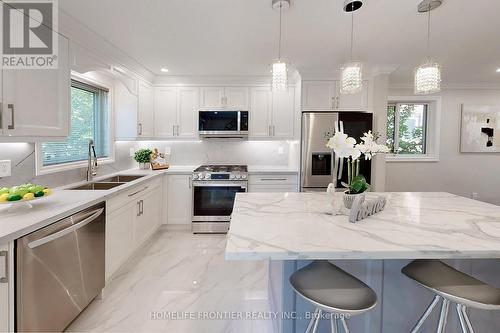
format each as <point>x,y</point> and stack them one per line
<point>341,168</point>
<point>335,169</point>
<point>341,123</point>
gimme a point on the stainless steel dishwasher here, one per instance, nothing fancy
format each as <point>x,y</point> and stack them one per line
<point>59,271</point>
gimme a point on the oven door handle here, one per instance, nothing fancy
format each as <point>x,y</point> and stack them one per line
<point>217,184</point>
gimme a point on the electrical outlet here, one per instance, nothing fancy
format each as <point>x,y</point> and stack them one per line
<point>475,195</point>
<point>5,168</point>
<point>132,152</point>
<point>280,150</point>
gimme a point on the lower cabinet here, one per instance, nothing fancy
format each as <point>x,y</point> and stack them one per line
<point>273,183</point>
<point>7,287</point>
<point>131,218</point>
<point>180,198</point>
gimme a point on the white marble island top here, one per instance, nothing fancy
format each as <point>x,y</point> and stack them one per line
<point>291,226</point>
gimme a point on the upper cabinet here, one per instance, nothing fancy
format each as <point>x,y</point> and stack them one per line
<point>176,112</point>
<point>272,113</point>
<point>145,110</point>
<point>133,110</point>
<point>224,97</point>
<point>36,102</point>
<point>325,95</point>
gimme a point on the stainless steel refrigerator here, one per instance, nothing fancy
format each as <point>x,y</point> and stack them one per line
<point>319,165</point>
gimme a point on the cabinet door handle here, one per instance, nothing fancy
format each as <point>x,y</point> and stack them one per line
<point>273,179</point>
<point>141,207</point>
<point>274,130</point>
<point>5,277</point>
<point>269,131</point>
<point>178,130</point>
<point>12,124</point>
<point>1,115</point>
<point>139,128</point>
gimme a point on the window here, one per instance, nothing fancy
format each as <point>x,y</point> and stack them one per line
<point>407,128</point>
<point>89,120</point>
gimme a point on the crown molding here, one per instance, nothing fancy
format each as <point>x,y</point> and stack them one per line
<point>452,86</point>
<point>94,43</point>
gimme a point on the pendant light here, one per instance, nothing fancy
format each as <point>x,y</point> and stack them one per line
<point>428,74</point>
<point>280,67</point>
<point>351,80</point>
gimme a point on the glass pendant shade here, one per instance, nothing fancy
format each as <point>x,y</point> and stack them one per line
<point>351,81</point>
<point>427,78</point>
<point>280,76</point>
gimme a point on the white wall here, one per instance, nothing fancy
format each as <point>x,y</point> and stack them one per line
<point>455,172</point>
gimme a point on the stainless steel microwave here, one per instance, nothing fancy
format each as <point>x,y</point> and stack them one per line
<point>223,124</point>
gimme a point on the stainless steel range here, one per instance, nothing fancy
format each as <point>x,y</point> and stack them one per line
<point>214,189</point>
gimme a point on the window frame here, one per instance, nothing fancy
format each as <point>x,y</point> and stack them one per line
<point>431,130</point>
<point>43,170</point>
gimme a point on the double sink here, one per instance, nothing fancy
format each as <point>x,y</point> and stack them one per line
<point>108,183</point>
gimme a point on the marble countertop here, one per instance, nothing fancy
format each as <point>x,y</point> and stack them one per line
<point>18,221</point>
<point>290,226</point>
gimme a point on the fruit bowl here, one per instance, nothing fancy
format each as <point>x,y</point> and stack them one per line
<point>25,193</point>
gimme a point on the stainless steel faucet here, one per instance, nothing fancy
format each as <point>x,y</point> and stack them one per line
<point>92,161</point>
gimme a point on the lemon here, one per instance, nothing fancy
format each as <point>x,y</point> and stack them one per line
<point>47,191</point>
<point>3,197</point>
<point>28,196</point>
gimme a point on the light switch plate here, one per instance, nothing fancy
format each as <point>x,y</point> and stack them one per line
<point>5,168</point>
<point>280,150</point>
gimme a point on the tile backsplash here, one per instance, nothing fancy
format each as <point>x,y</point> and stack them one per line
<point>215,151</point>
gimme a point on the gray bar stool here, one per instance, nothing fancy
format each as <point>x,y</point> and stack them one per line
<point>451,286</point>
<point>332,290</point>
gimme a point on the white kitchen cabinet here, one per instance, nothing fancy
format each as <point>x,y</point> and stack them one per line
<point>211,97</point>
<point>319,95</point>
<point>175,112</point>
<point>273,183</point>
<point>149,215</point>
<point>353,102</point>
<point>325,95</point>
<point>36,102</point>
<point>165,112</point>
<point>235,98</point>
<point>145,110</point>
<point>283,113</point>
<point>180,198</point>
<point>187,115</point>
<point>7,287</point>
<point>119,236</point>
<point>260,112</point>
<point>131,218</point>
<point>126,112</point>
<point>272,113</point>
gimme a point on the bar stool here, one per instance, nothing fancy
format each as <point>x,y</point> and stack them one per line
<point>334,291</point>
<point>451,286</point>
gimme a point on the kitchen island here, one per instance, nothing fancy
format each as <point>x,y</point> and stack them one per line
<point>290,229</point>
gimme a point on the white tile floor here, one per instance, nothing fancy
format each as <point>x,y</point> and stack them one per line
<point>178,273</point>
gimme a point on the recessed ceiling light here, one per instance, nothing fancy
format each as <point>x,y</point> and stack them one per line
<point>498,70</point>
<point>164,70</point>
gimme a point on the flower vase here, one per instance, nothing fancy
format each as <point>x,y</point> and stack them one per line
<point>349,198</point>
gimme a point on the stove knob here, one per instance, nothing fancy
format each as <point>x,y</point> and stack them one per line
<point>244,176</point>
<point>238,176</point>
<point>207,176</point>
<point>231,176</point>
<point>200,175</point>
<point>195,176</point>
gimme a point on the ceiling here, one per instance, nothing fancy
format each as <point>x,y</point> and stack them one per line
<point>239,37</point>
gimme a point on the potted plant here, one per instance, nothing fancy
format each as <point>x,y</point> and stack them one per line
<point>143,157</point>
<point>347,147</point>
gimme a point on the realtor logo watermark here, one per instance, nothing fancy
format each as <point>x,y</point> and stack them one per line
<point>29,36</point>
